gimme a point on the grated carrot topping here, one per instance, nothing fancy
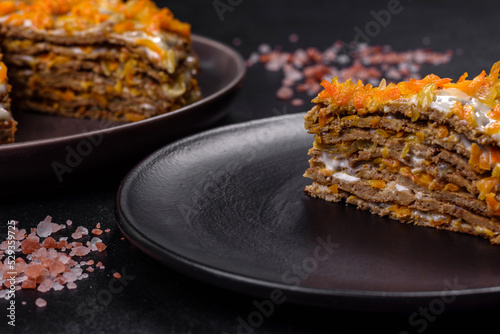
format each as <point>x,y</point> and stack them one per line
<point>48,14</point>
<point>485,87</point>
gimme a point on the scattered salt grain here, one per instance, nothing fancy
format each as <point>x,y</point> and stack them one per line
<point>44,228</point>
<point>304,69</point>
<point>293,38</point>
<point>45,263</point>
<point>40,302</point>
<point>97,231</point>
<point>284,93</point>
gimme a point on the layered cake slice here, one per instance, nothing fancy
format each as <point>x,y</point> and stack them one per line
<point>122,61</point>
<point>423,151</point>
<point>7,123</point>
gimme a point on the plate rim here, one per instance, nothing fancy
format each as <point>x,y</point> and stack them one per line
<point>392,300</point>
<point>241,72</point>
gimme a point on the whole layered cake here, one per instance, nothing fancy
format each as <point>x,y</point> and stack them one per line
<point>423,151</point>
<point>107,59</point>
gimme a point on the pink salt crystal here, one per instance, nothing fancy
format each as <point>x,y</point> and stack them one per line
<point>107,230</point>
<point>56,227</point>
<point>19,234</point>
<point>57,286</point>
<point>70,276</point>
<point>98,225</point>
<point>71,285</point>
<point>44,228</point>
<point>28,284</point>
<point>100,246</point>
<point>49,242</point>
<point>284,93</point>
<point>293,38</point>
<point>63,258</point>
<point>56,268</point>
<point>29,245</point>
<point>45,286</point>
<point>40,302</point>
<point>33,270</point>
<point>23,302</point>
<point>69,222</point>
<point>264,48</point>
<point>52,253</point>
<point>82,230</point>
<point>76,235</point>
<point>297,102</point>
<point>90,269</point>
<point>97,231</point>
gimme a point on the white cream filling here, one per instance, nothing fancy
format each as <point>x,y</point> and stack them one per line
<point>401,188</point>
<point>4,114</point>
<point>345,177</point>
<point>445,99</point>
<point>331,163</point>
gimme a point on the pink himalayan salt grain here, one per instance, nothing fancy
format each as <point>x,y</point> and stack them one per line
<point>69,222</point>
<point>79,251</point>
<point>284,93</point>
<point>100,246</point>
<point>33,270</point>
<point>56,268</point>
<point>76,235</point>
<point>107,230</point>
<point>48,268</point>
<point>20,234</point>
<point>29,245</point>
<point>40,302</point>
<point>98,225</point>
<point>97,231</point>
<point>28,284</point>
<point>45,286</point>
<point>117,275</point>
<point>344,61</point>
<point>297,102</point>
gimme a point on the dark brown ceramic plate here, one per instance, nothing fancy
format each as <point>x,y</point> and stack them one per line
<point>53,151</point>
<point>227,207</point>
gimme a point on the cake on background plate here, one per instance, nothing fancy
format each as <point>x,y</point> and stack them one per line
<point>423,151</point>
<point>105,59</point>
<point>7,123</point>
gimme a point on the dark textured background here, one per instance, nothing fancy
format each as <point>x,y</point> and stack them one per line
<point>159,300</point>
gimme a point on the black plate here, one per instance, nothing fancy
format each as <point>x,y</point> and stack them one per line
<point>53,151</point>
<point>227,207</point>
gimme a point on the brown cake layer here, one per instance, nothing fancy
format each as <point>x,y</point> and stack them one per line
<point>118,60</point>
<point>425,151</point>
